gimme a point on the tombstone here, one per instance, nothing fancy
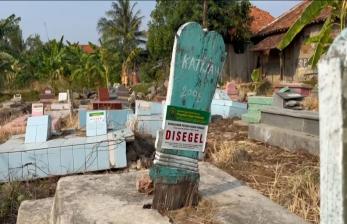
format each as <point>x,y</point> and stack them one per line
<point>122,92</point>
<point>96,123</point>
<point>232,91</point>
<point>103,94</point>
<point>17,97</point>
<point>197,61</point>
<point>332,79</point>
<point>37,109</point>
<point>38,129</point>
<point>47,93</point>
<point>62,97</point>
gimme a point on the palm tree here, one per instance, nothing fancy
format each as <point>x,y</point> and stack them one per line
<point>120,31</point>
<point>121,27</point>
<point>323,39</point>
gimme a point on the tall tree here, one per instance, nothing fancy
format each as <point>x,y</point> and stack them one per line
<point>120,32</point>
<point>121,27</point>
<point>11,40</point>
<point>229,17</point>
<point>11,49</point>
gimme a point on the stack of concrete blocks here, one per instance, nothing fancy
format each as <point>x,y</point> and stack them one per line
<point>224,106</point>
<point>38,129</point>
<point>288,129</point>
<point>255,104</point>
<point>148,117</point>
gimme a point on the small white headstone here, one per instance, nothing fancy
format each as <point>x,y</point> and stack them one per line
<point>62,97</point>
<point>17,97</point>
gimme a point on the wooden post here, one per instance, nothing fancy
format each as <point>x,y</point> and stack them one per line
<point>204,15</point>
<point>196,63</point>
<point>333,132</point>
<point>281,65</point>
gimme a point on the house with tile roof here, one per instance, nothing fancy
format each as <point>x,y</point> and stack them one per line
<point>290,64</point>
<point>87,48</point>
<point>239,66</point>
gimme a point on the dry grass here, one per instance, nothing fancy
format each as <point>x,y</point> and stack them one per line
<point>227,154</point>
<point>7,132</point>
<point>311,103</point>
<point>290,179</point>
<point>13,193</point>
<point>70,121</point>
<point>204,213</point>
<point>4,135</point>
<point>299,193</point>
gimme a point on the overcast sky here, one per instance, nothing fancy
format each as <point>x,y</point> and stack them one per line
<point>77,20</point>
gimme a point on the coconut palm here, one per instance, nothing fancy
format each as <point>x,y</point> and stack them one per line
<point>121,27</point>
<point>323,39</point>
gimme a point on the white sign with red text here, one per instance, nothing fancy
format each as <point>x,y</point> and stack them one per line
<point>184,136</point>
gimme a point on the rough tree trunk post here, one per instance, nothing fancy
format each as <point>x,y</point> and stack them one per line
<point>333,132</point>
<point>196,63</point>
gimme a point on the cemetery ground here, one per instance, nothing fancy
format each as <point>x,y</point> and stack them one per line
<point>290,179</point>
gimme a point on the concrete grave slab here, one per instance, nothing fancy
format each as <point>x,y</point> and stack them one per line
<point>148,108</point>
<point>35,211</point>
<point>61,156</point>
<point>239,204</point>
<point>110,198</point>
<point>228,108</point>
<point>303,121</point>
<point>113,198</point>
<point>284,138</point>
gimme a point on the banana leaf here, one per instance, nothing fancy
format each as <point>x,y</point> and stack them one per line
<point>310,13</point>
<point>322,41</point>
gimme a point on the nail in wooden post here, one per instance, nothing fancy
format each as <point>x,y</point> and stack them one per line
<point>196,63</point>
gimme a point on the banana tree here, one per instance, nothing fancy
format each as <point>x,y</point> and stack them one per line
<point>53,65</point>
<point>323,40</point>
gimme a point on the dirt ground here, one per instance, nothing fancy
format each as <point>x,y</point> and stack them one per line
<point>288,178</point>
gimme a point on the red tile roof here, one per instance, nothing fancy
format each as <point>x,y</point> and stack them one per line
<point>260,17</point>
<point>87,48</point>
<point>268,43</point>
<point>286,20</point>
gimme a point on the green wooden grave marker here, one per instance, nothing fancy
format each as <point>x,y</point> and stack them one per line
<point>197,61</point>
